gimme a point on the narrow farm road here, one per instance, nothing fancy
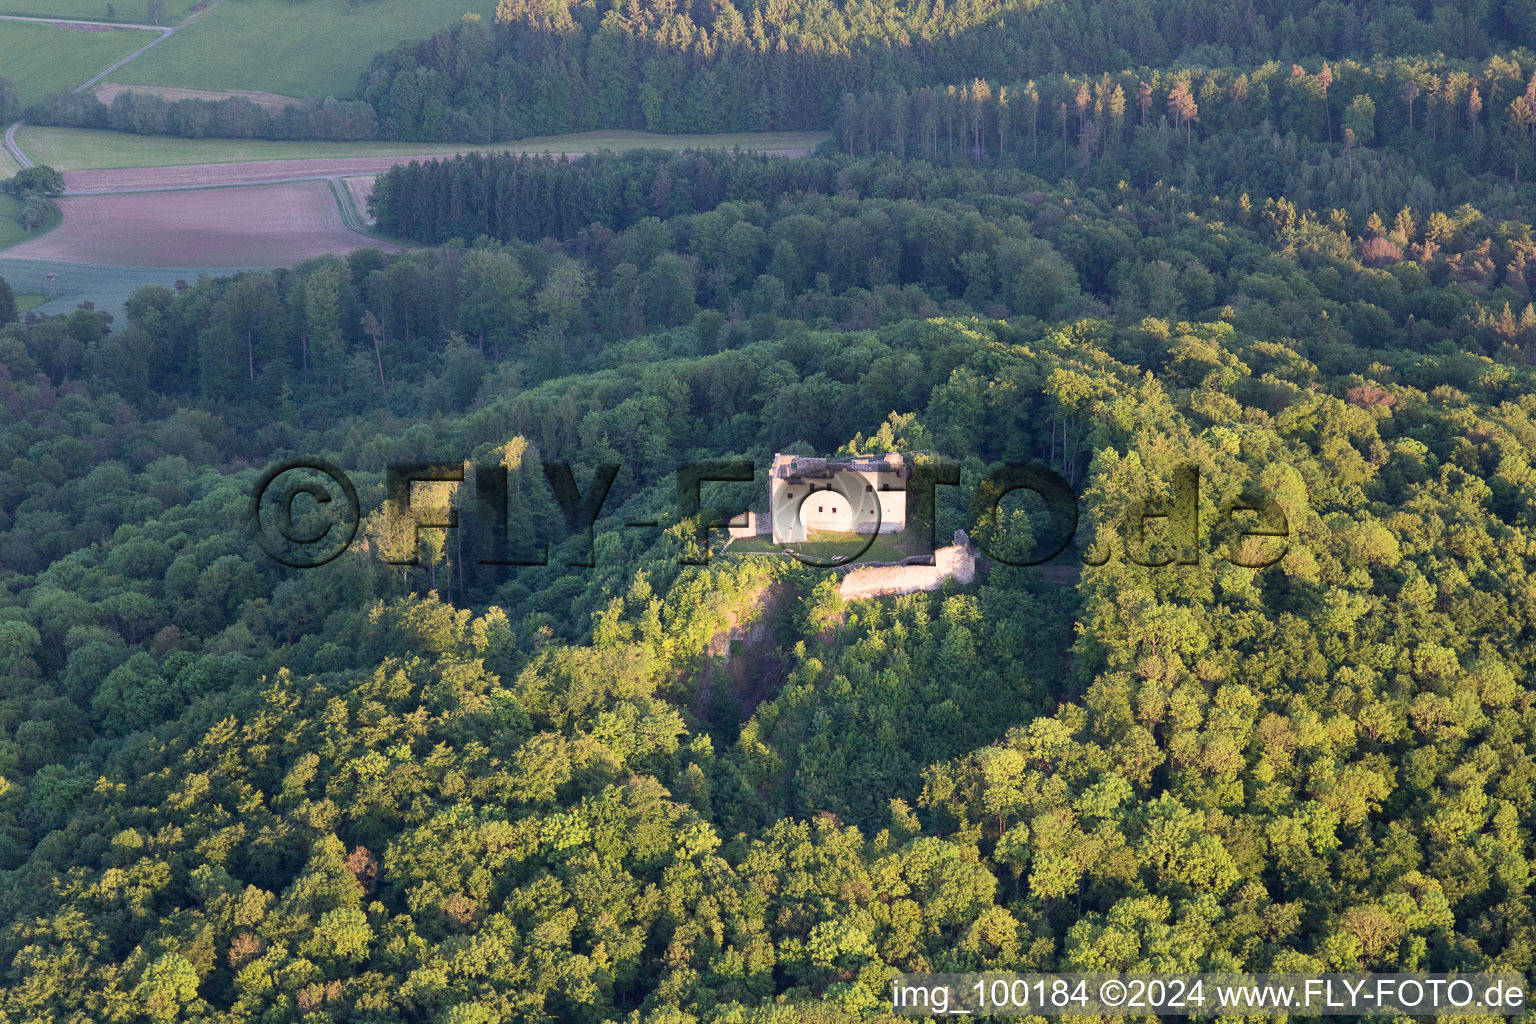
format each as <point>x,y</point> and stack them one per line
<point>165,34</point>
<point>15,150</point>
<point>84,21</point>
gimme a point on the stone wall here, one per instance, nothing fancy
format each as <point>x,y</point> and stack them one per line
<point>957,562</point>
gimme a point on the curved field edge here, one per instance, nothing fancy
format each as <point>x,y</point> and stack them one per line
<point>358,187</point>
<point>353,211</point>
<point>80,149</point>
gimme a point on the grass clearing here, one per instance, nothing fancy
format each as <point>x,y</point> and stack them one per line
<point>133,12</point>
<point>311,49</point>
<point>79,149</point>
<point>73,283</point>
<point>44,59</point>
<point>11,232</point>
<point>28,301</point>
<point>107,92</point>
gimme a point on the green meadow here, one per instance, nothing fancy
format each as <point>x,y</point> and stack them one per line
<point>121,11</point>
<point>11,232</point>
<point>107,287</point>
<point>306,49</point>
<point>44,59</point>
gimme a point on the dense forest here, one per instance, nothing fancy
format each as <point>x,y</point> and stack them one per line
<point>549,68</point>
<point>618,787</point>
<point>374,792</point>
<point>1447,119</point>
<point>716,66</point>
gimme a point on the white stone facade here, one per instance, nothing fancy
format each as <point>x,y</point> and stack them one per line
<point>849,496</point>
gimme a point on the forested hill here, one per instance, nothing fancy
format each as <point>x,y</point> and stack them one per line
<point>1284,248</point>
<point>234,791</point>
<point>422,810</point>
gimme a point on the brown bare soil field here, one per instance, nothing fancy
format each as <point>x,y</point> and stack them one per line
<point>266,225</point>
<point>192,175</point>
<point>107,92</point>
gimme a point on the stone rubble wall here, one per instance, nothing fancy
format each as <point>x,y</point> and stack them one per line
<point>957,562</point>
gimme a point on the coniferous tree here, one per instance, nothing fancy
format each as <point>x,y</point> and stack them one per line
<point>1181,104</point>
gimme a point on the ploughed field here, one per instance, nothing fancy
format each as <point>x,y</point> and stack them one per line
<point>259,225</point>
<point>197,175</point>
